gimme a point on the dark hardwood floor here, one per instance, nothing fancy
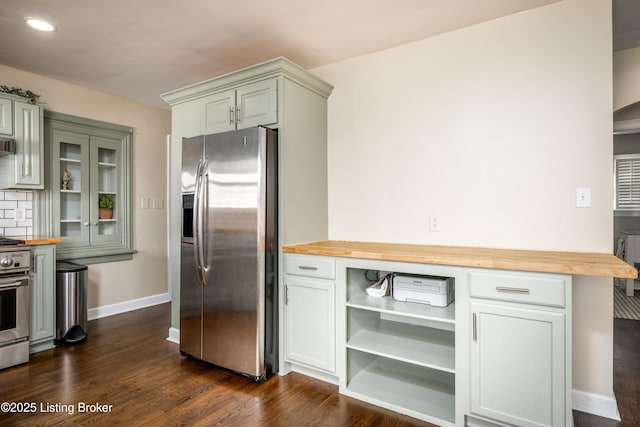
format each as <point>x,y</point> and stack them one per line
<point>626,378</point>
<point>128,364</point>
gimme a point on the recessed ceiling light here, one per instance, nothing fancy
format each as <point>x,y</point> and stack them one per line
<point>39,24</point>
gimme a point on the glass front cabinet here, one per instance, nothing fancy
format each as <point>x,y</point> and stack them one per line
<point>89,188</point>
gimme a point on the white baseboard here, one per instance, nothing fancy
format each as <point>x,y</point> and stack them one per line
<point>310,372</point>
<point>596,404</point>
<point>123,307</point>
<point>174,335</point>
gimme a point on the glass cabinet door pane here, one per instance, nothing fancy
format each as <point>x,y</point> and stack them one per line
<point>105,182</point>
<point>72,214</point>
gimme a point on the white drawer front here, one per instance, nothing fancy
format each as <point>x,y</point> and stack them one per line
<point>518,287</point>
<point>310,266</point>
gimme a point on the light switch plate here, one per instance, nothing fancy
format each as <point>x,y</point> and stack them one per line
<point>583,197</point>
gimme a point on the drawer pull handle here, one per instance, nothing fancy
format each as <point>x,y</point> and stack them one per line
<point>307,267</point>
<point>512,290</point>
<point>475,327</point>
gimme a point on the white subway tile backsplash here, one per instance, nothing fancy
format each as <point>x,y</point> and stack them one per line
<point>16,231</point>
<point>7,222</point>
<point>15,195</point>
<point>9,202</point>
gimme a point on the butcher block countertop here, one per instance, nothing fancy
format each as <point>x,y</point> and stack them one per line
<point>575,263</point>
<point>36,240</point>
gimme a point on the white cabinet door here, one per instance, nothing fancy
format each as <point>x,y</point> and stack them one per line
<point>257,104</point>
<point>6,117</point>
<point>219,112</point>
<point>310,322</point>
<point>29,148</point>
<point>247,106</point>
<point>518,365</point>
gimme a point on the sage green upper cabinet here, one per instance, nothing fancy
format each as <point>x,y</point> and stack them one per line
<point>22,122</point>
<point>249,105</point>
<point>89,161</point>
<point>6,116</point>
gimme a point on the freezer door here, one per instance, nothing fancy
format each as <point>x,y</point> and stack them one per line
<point>190,305</point>
<point>192,152</point>
<point>233,310</point>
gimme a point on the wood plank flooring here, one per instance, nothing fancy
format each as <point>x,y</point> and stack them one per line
<point>626,378</point>
<point>127,363</point>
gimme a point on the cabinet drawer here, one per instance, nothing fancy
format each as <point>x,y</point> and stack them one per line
<point>310,266</point>
<point>528,288</point>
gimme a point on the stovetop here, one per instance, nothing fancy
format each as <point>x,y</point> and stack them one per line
<point>8,242</point>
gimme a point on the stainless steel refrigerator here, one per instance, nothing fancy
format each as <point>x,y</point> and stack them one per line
<point>228,289</point>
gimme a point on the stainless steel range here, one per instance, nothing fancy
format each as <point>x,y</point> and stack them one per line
<point>15,261</point>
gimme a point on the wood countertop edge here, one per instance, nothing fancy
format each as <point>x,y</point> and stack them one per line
<point>574,263</point>
<point>32,241</point>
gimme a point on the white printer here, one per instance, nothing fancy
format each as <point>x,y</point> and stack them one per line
<point>433,290</point>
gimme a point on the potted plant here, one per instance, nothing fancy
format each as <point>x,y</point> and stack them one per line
<point>105,203</point>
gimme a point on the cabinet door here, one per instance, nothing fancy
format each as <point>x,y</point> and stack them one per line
<point>6,117</point>
<point>310,322</point>
<point>43,294</point>
<point>70,186</point>
<point>29,149</point>
<point>257,104</point>
<point>219,112</point>
<point>105,159</point>
<point>517,365</point>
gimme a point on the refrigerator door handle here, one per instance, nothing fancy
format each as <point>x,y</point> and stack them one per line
<point>198,224</point>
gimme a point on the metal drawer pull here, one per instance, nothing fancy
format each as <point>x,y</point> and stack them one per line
<point>512,290</point>
<point>307,267</point>
<point>475,327</point>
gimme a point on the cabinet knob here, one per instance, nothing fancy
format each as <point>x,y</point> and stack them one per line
<point>86,224</point>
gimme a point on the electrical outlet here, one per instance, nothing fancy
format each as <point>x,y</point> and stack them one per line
<point>434,223</point>
<point>20,214</point>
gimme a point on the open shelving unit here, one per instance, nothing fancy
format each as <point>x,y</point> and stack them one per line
<point>400,355</point>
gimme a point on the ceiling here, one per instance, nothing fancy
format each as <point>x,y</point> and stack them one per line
<point>140,49</point>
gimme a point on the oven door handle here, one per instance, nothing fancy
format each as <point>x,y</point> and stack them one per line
<point>11,285</point>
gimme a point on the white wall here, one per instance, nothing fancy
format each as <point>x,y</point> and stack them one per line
<point>490,128</point>
<point>146,274</point>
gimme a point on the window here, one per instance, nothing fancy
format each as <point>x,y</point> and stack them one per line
<point>626,169</point>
